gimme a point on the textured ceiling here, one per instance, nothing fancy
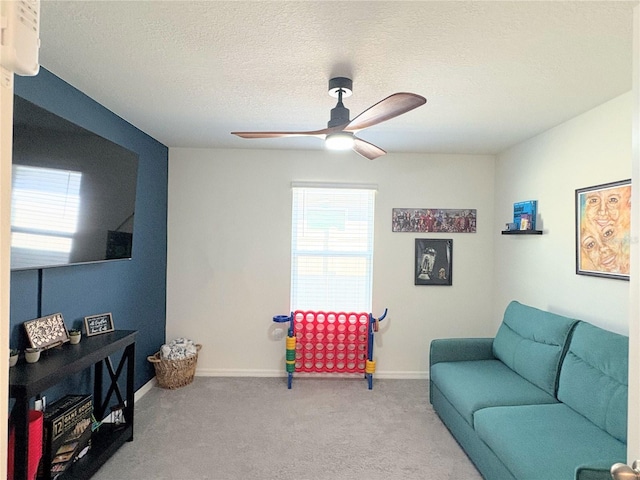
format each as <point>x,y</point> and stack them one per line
<point>494,73</point>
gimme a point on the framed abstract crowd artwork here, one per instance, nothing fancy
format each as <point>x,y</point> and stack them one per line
<point>433,220</point>
<point>603,217</point>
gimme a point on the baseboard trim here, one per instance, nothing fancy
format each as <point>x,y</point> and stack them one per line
<point>392,375</point>
<point>143,390</point>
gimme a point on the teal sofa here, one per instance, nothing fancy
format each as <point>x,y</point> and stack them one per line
<point>546,399</point>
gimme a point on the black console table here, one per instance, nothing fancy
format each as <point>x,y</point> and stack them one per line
<point>28,380</point>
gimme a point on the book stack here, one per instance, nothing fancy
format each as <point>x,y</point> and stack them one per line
<point>524,214</point>
<point>67,434</point>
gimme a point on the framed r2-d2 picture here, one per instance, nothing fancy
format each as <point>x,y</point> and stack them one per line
<point>433,261</point>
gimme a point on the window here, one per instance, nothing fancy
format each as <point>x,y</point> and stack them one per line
<point>44,214</point>
<point>332,248</point>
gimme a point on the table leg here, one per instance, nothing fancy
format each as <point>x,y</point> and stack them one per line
<point>98,411</point>
<point>130,353</point>
<point>20,423</point>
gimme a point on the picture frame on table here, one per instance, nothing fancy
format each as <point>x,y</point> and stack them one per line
<point>98,324</point>
<point>46,332</point>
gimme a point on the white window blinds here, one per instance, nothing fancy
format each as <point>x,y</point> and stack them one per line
<point>332,248</point>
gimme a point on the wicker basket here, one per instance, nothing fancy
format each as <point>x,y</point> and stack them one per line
<point>174,374</point>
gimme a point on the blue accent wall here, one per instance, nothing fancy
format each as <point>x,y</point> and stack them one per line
<point>134,291</point>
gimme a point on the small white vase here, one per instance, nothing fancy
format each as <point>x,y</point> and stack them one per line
<point>32,355</point>
<point>13,360</point>
<point>75,339</point>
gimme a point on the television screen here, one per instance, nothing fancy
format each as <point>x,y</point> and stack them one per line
<point>73,192</point>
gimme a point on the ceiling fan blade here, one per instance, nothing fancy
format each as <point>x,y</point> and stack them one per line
<point>366,149</point>
<point>312,133</point>
<point>386,109</point>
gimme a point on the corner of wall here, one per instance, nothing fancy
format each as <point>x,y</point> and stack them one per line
<point>6,136</point>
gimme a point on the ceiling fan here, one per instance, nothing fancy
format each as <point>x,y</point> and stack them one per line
<point>340,131</point>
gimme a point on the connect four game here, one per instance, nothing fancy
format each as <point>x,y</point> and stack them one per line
<point>330,342</point>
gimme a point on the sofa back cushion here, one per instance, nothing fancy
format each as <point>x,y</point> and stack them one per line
<point>532,343</point>
<point>594,376</point>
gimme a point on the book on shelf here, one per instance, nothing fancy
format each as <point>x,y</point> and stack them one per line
<point>526,211</point>
<point>67,433</point>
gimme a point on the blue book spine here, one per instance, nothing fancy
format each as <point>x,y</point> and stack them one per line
<point>529,208</point>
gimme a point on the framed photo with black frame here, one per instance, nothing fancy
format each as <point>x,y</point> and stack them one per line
<point>433,261</point>
<point>603,232</point>
<point>97,324</point>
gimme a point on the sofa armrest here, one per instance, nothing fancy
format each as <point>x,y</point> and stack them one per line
<point>460,349</point>
<point>593,472</point>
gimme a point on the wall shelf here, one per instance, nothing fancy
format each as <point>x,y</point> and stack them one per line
<point>521,232</point>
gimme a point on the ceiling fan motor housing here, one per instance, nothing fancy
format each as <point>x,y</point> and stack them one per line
<point>339,116</point>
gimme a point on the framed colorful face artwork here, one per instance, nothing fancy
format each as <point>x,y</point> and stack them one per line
<point>603,217</point>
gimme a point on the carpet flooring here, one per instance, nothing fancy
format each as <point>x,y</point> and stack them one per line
<point>221,428</point>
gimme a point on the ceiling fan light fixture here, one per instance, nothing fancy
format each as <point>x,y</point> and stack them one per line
<point>339,141</point>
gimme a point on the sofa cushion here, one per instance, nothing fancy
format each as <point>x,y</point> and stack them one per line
<point>594,376</point>
<point>545,441</point>
<point>491,383</point>
<point>532,343</point>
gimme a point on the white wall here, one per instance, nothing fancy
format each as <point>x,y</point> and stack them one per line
<point>590,149</point>
<point>229,252</point>
<point>6,139</point>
